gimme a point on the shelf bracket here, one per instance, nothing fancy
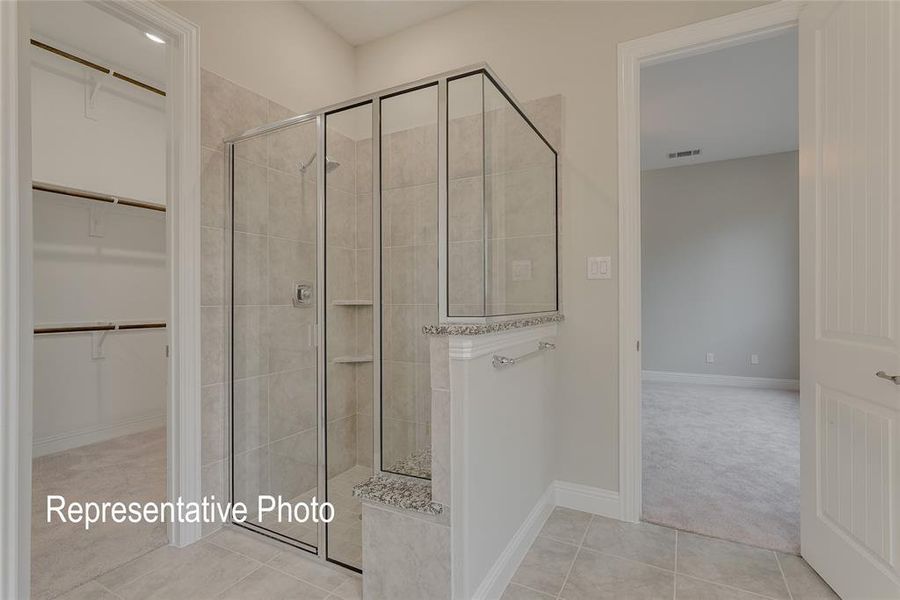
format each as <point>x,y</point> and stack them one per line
<point>92,87</point>
<point>97,225</point>
<point>97,339</point>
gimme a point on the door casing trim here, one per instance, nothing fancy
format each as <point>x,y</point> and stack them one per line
<point>16,288</point>
<point>698,38</point>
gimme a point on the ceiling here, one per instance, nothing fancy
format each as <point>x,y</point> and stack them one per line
<point>731,103</point>
<point>361,21</point>
<point>91,33</point>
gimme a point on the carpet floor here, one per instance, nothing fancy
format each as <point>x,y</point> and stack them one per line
<point>723,462</point>
<point>131,468</point>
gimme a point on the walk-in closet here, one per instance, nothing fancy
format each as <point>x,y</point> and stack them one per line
<point>101,285</point>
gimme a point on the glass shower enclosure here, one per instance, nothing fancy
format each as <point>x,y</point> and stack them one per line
<point>341,250</point>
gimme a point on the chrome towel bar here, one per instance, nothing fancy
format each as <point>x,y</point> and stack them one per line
<point>500,362</point>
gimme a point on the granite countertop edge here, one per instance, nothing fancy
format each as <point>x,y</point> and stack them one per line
<point>398,493</point>
<point>485,328</point>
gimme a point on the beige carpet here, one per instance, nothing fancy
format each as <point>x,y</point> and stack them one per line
<point>128,468</point>
<point>723,462</point>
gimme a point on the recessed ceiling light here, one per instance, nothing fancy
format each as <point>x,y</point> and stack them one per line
<point>155,38</point>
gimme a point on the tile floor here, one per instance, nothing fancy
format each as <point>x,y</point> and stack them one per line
<point>228,565</point>
<point>578,556</point>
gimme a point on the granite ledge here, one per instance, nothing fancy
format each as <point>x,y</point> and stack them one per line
<point>399,493</point>
<point>484,328</point>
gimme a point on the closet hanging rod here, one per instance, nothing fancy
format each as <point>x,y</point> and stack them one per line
<point>67,191</point>
<point>99,327</point>
<point>96,67</point>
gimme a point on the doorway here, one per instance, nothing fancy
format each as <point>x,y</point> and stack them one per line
<point>101,299</point>
<point>25,194</point>
<point>720,286</point>
<point>843,338</point>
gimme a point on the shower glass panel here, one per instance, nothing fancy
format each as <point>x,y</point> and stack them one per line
<point>274,429</point>
<point>348,324</point>
<point>519,211</point>
<point>501,206</point>
<point>332,280</point>
<point>409,280</point>
<point>465,196</point>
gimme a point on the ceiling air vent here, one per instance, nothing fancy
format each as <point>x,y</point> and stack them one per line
<point>685,153</point>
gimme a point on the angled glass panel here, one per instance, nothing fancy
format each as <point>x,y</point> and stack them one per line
<point>519,211</point>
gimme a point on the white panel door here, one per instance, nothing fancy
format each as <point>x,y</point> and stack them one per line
<point>850,291</point>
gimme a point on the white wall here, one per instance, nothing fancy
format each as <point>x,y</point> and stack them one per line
<point>276,49</point>
<point>79,278</point>
<point>719,267</point>
<point>502,445</point>
<point>541,49</point>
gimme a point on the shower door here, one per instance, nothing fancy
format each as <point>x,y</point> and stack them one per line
<point>274,309</point>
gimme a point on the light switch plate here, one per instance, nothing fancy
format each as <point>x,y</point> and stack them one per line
<point>599,267</point>
<point>710,357</point>
<point>754,359</point>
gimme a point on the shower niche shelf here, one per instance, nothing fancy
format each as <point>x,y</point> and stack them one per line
<point>350,360</point>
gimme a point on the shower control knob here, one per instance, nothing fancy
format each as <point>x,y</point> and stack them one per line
<point>303,294</point>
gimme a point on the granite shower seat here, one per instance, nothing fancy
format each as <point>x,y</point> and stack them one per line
<point>399,493</point>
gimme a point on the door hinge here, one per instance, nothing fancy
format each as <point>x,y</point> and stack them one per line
<point>639,345</point>
<point>167,351</point>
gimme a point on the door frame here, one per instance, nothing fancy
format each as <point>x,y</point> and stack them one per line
<point>16,286</point>
<point>690,40</point>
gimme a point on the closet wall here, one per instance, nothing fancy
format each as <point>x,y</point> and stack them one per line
<point>117,272</point>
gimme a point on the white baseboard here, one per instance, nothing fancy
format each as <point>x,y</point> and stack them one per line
<point>560,493</point>
<point>92,435</point>
<point>499,576</point>
<point>589,499</point>
<point>729,380</point>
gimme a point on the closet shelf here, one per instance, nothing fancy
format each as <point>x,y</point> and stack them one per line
<point>352,303</point>
<point>87,327</point>
<point>96,67</point>
<point>76,193</point>
<point>353,359</point>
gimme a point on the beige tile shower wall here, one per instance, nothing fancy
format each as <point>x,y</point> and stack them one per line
<point>520,214</point>
<point>510,211</point>
<point>364,288</point>
<point>465,206</point>
<point>342,322</point>
<point>409,287</point>
<point>274,245</point>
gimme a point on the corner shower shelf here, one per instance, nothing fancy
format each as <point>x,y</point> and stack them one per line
<point>352,303</point>
<point>353,359</point>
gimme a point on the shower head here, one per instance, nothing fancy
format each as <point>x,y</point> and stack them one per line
<point>330,164</point>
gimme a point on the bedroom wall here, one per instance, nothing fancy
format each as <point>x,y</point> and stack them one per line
<point>719,267</point>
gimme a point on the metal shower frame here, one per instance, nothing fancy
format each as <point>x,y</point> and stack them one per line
<point>319,117</point>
